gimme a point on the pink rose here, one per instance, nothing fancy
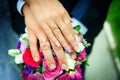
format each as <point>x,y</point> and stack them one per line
<point>78,76</point>
<point>65,76</point>
<point>35,76</point>
<point>51,74</point>
<point>74,76</point>
<point>77,67</point>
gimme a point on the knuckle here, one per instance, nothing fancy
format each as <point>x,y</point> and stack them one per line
<point>34,52</point>
<point>63,27</point>
<point>56,31</point>
<point>73,43</point>
<point>62,59</point>
<point>62,12</point>
<point>31,43</point>
<point>49,34</point>
<point>67,22</point>
<point>45,46</point>
<point>71,40</point>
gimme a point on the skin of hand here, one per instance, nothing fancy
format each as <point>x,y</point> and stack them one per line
<point>37,32</point>
<point>55,22</point>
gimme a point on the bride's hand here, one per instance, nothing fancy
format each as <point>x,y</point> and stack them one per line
<point>36,34</point>
<point>55,22</point>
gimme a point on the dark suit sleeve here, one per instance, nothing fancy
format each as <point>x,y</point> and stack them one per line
<point>16,19</point>
<point>92,13</point>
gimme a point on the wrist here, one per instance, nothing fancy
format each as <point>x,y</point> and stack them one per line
<point>25,8</point>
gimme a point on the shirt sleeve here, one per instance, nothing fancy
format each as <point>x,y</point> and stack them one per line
<point>20,5</point>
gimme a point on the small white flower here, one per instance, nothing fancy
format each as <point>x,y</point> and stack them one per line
<point>19,59</point>
<point>26,30</point>
<point>70,61</point>
<point>23,37</point>
<point>14,52</point>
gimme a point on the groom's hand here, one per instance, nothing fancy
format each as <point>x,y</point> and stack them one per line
<point>55,22</point>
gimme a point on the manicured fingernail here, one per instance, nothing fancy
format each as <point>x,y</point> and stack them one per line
<point>68,50</point>
<point>36,59</point>
<point>57,44</point>
<point>80,38</point>
<point>64,66</point>
<point>73,56</point>
<point>77,49</point>
<point>52,66</point>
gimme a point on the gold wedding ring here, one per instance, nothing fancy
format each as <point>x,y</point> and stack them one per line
<point>54,28</point>
<point>43,41</point>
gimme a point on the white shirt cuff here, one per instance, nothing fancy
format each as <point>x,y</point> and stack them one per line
<point>83,29</point>
<point>20,5</point>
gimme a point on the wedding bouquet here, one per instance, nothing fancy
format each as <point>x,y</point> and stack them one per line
<point>31,70</point>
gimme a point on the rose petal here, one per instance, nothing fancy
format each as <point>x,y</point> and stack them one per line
<point>51,74</point>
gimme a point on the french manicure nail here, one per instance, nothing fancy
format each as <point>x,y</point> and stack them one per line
<point>68,50</point>
<point>77,49</point>
<point>57,44</point>
<point>73,56</point>
<point>52,66</point>
<point>64,66</point>
<point>36,59</point>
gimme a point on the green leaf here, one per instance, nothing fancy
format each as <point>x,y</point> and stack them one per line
<point>41,69</point>
<point>84,60</point>
<point>26,39</point>
<point>77,28</point>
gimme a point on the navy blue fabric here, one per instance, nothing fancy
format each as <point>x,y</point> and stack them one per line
<point>8,39</point>
<point>80,9</point>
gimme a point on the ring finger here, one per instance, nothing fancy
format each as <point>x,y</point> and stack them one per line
<point>57,33</point>
<point>45,47</point>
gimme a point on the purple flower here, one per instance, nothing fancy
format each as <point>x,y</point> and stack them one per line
<point>18,45</point>
<point>27,70</point>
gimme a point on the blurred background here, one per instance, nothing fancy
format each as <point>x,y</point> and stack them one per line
<point>105,56</point>
<point>104,60</point>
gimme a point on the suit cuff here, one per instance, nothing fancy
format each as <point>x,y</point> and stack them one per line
<point>20,5</point>
<point>83,29</point>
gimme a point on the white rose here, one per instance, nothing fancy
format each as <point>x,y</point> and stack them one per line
<point>19,59</point>
<point>71,62</point>
<point>14,52</point>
